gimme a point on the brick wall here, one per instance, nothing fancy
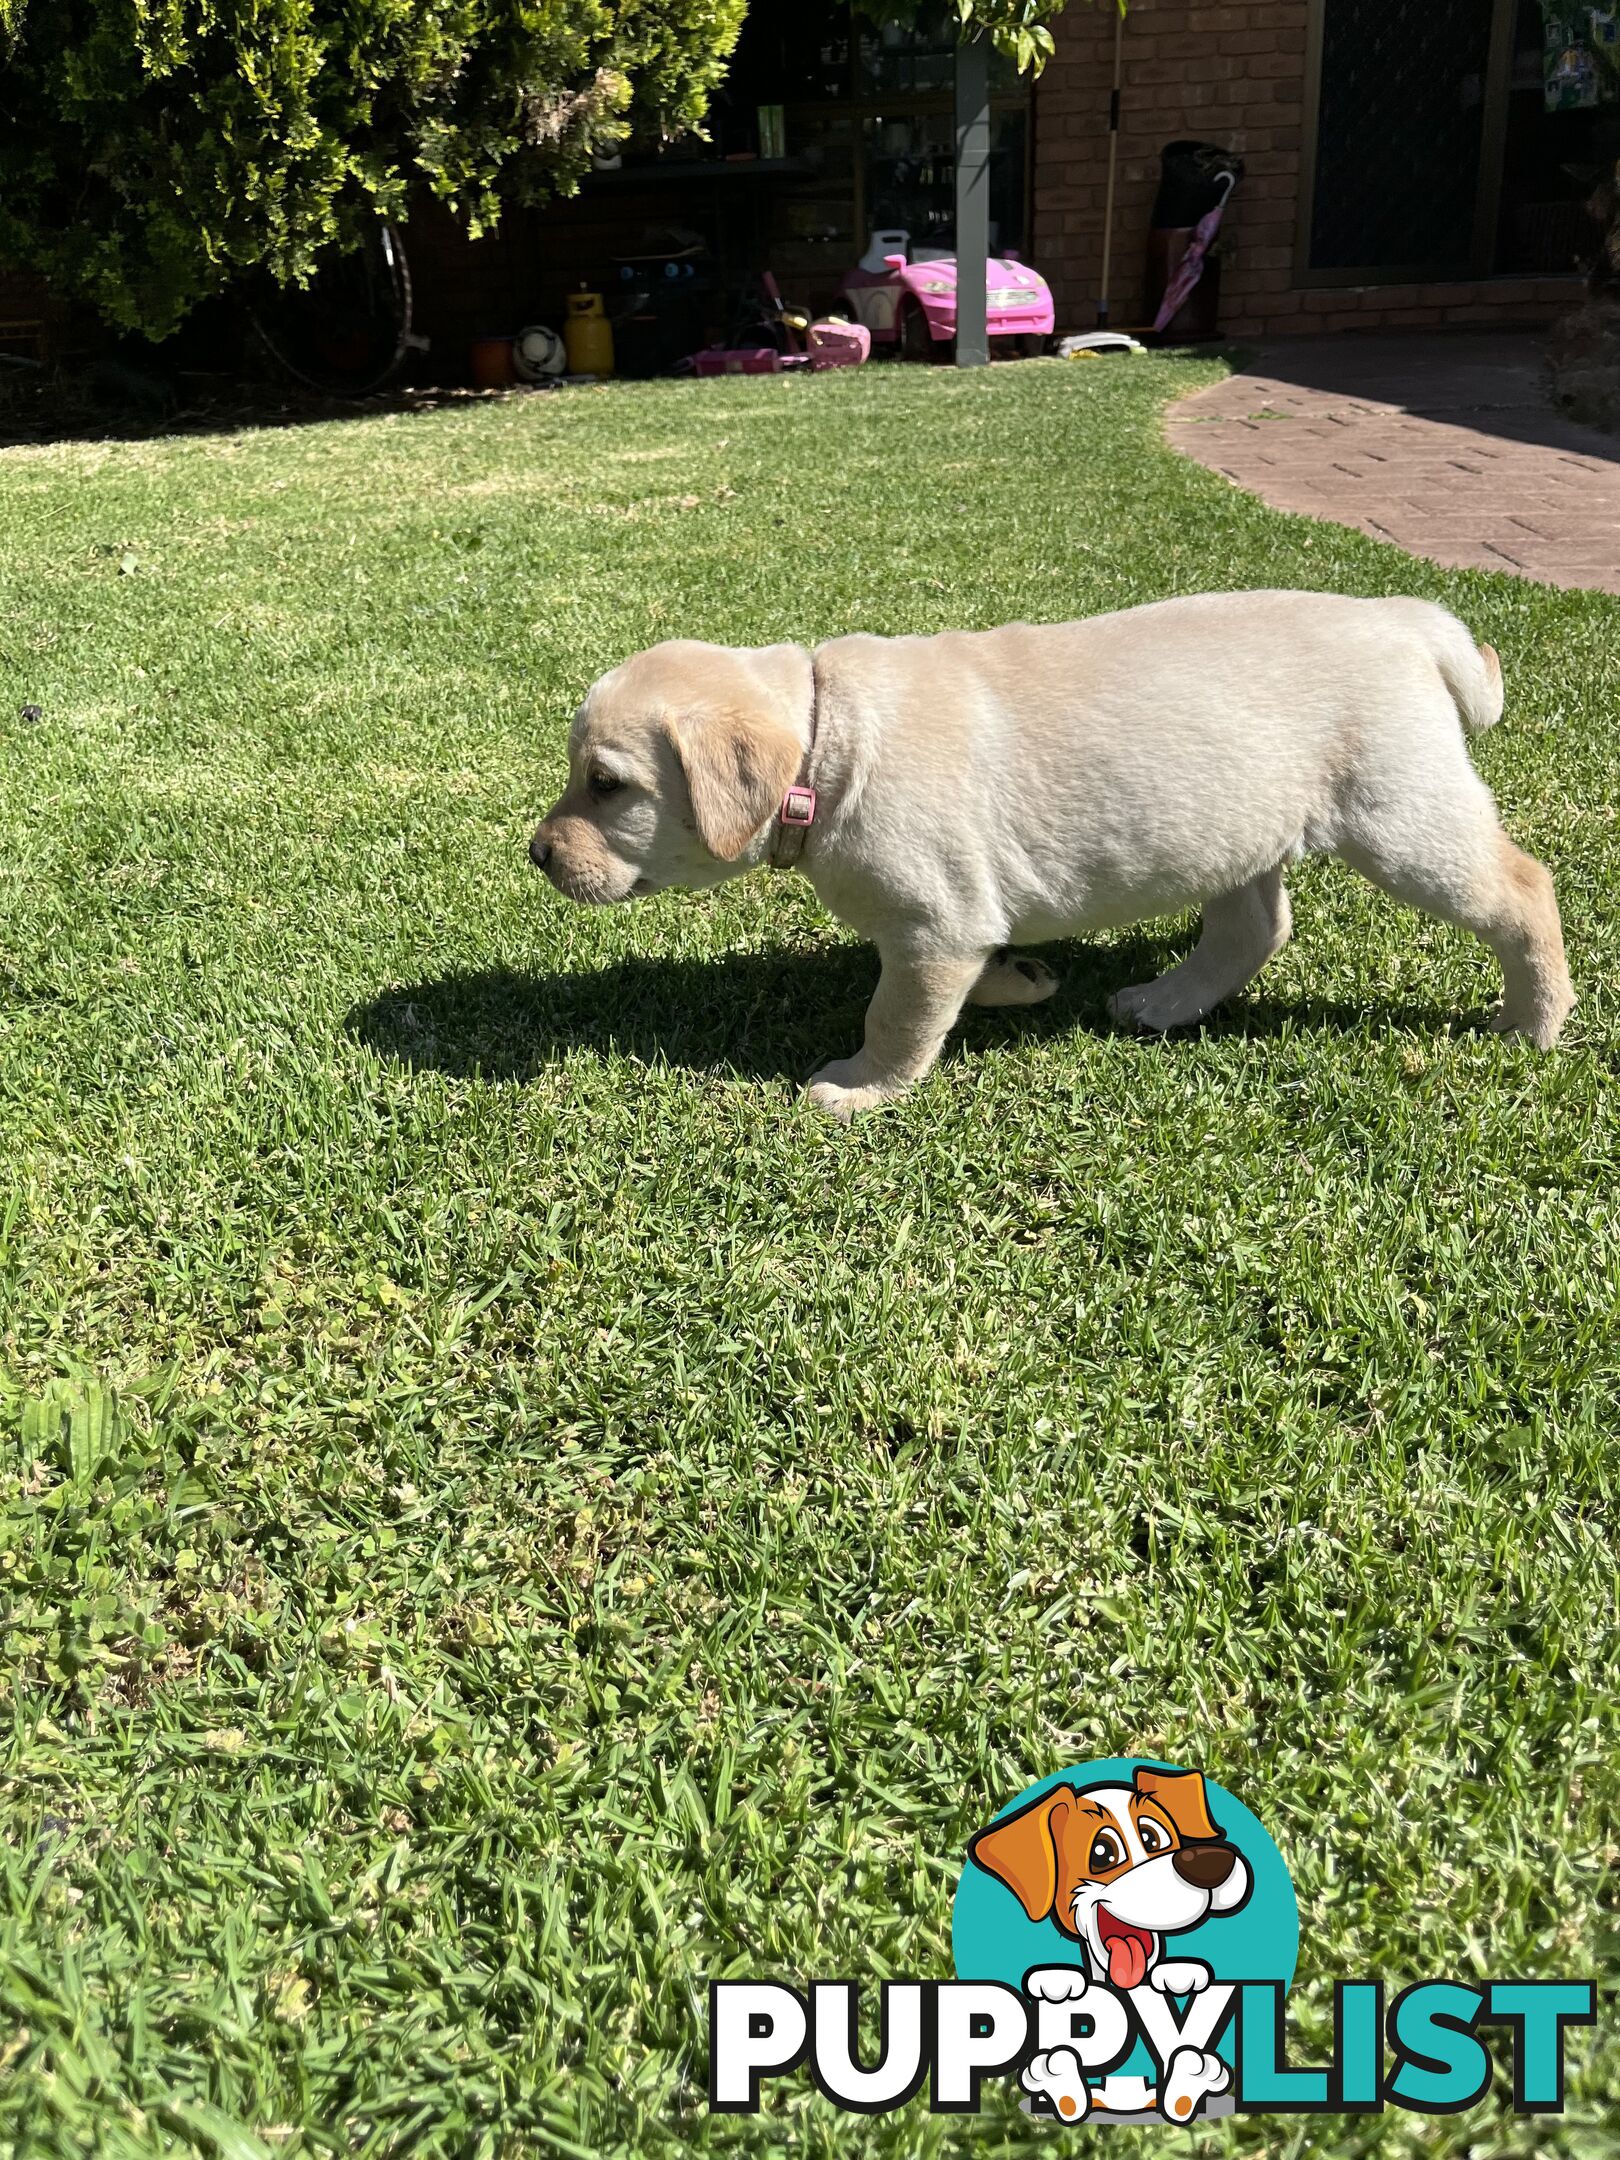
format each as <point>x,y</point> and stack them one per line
<point>1226,71</point>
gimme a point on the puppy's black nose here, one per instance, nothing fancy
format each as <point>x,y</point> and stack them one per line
<point>1205,1866</point>
<point>539,852</point>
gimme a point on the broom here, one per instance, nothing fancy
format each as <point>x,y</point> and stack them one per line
<point>1113,169</point>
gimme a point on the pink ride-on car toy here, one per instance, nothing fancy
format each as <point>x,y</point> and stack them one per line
<point>912,304</point>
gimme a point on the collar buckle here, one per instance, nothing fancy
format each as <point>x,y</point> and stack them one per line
<point>798,806</point>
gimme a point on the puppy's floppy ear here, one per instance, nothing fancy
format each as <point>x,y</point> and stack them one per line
<point>741,754</point>
<point>737,769</point>
<point>1021,1851</point>
<point>1181,1794</point>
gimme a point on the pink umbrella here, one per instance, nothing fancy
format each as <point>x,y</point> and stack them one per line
<point>1191,266</point>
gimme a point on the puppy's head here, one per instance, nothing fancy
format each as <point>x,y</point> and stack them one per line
<point>677,759</point>
<point>1118,1867</point>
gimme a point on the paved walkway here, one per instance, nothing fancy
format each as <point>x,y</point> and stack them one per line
<point>1445,445</point>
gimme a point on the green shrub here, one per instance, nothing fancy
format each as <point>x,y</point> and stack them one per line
<point>153,150</point>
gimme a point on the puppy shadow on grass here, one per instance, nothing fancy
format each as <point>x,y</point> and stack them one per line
<point>766,1015</point>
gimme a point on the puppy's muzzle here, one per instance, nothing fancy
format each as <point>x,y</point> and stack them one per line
<point>1206,1867</point>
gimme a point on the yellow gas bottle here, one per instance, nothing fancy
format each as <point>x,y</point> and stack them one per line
<point>588,335</point>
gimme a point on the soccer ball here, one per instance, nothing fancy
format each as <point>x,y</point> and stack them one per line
<point>537,352</point>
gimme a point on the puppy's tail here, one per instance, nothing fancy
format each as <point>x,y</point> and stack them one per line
<point>1472,673</point>
<point>1476,685</point>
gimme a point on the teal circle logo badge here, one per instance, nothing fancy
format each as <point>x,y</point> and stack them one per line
<point>1127,1899</point>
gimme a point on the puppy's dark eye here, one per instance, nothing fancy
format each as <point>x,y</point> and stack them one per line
<point>1153,1838</point>
<point>1106,1852</point>
<point>602,783</point>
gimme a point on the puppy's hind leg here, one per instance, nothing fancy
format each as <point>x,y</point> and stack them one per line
<point>1242,930</point>
<point>1012,978</point>
<point>1527,936</point>
<point>1473,875</point>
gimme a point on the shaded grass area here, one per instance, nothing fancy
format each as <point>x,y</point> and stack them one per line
<point>507,1516</point>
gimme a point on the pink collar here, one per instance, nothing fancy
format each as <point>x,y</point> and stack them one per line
<point>798,807</point>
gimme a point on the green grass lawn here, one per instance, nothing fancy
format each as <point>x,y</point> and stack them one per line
<point>508,1514</point>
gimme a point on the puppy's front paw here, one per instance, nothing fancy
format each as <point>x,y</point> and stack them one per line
<point>1013,979</point>
<point>839,1090</point>
<point>1195,2076</point>
<point>1154,1008</point>
<point>1057,2079</point>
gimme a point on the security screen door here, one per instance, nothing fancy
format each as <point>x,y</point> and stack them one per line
<point>1404,170</point>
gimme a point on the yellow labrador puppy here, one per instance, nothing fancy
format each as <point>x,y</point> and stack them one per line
<point>953,797</point>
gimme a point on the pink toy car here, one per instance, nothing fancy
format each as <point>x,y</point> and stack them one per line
<point>913,304</point>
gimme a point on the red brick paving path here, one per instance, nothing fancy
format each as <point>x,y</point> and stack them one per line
<point>1445,445</point>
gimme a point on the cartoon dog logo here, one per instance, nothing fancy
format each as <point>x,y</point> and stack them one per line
<point>1118,1868</point>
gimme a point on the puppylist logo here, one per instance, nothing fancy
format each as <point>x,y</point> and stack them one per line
<point>1125,1934</point>
<point>1130,1898</point>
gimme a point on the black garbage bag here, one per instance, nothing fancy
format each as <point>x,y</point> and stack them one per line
<point>1193,178</point>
